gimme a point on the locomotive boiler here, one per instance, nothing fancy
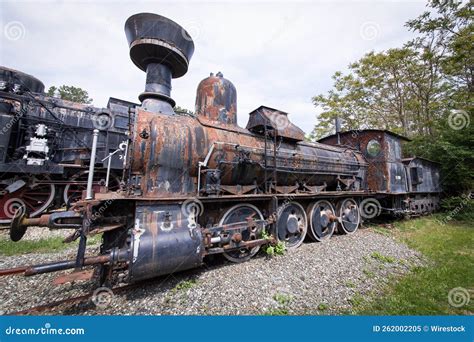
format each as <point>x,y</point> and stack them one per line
<point>198,185</point>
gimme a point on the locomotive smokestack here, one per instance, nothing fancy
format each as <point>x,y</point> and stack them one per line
<point>162,49</point>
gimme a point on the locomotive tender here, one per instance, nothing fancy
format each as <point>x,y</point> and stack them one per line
<point>201,185</point>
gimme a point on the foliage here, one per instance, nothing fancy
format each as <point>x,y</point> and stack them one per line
<point>383,90</point>
<point>458,208</point>
<point>283,301</point>
<point>453,150</point>
<point>414,90</point>
<point>70,93</point>
<point>382,258</point>
<point>184,285</point>
<point>424,291</point>
<point>280,248</point>
<point>184,111</point>
<point>323,307</point>
<point>277,249</point>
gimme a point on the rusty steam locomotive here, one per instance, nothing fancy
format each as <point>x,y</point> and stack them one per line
<point>201,185</point>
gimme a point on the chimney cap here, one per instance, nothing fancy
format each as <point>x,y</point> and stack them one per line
<point>155,39</point>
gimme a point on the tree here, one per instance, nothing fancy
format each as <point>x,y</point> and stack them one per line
<point>409,89</point>
<point>450,31</point>
<point>386,90</point>
<point>181,110</point>
<point>70,93</point>
<point>423,90</point>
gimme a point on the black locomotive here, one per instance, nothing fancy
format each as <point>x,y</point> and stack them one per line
<point>201,185</point>
<point>45,145</point>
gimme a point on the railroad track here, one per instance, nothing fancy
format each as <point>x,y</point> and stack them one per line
<point>69,301</point>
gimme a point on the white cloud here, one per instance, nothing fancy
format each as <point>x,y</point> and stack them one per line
<point>276,53</point>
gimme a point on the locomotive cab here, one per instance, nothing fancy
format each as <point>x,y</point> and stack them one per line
<point>383,151</point>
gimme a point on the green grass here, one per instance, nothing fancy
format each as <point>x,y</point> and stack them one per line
<point>368,273</point>
<point>277,312</point>
<point>323,307</point>
<point>382,258</point>
<point>277,249</point>
<point>54,244</point>
<point>424,291</point>
<point>282,299</point>
<point>184,285</point>
<point>350,284</point>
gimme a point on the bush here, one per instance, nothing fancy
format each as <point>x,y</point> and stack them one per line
<point>459,208</point>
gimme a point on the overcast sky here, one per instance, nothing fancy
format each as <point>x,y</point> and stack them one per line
<point>277,53</point>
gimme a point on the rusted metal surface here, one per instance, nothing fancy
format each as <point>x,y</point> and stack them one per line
<point>167,42</point>
<point>162,49</point>
<point>11,271</point>
<point>423,175</point>
<point>248,186</point>
<point>166,158</point>
<point>385,172</point>
<point>216,99</point>
<point>58,220</point>
<point>73,277</point>
<point>276,120</point>
<point>164,240</point>
<point>54,266</point>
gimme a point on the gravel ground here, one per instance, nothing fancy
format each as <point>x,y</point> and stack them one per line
<point>317,278</point>
<point>38,233</point>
